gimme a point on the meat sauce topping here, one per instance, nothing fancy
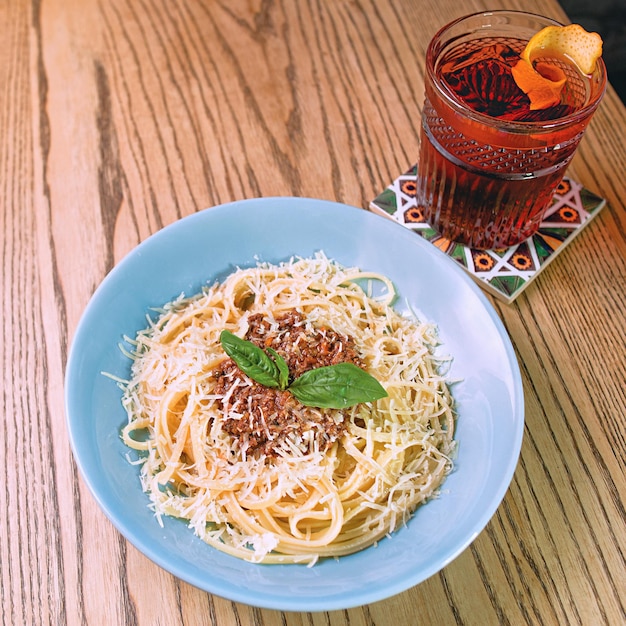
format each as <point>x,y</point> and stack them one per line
<point>268,421</point>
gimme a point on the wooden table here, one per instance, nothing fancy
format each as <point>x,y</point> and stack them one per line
<point>120,117</point>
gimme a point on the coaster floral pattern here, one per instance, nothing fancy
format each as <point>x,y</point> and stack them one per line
<point>504,273</point>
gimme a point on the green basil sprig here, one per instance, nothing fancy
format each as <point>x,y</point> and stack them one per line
<point>251,360</point>
<point>337,386</point>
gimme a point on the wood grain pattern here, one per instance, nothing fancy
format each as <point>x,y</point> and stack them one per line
<point>119,117</point>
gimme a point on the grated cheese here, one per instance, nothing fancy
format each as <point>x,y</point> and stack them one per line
<point>303,503</point>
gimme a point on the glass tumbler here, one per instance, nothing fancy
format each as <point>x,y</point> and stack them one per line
<point>483,180</point>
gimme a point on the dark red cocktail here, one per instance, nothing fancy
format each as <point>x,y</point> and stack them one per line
<point>489,164</point>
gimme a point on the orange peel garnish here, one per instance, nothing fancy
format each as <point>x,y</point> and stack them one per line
<point>572,41</point>
<point>542,82</point>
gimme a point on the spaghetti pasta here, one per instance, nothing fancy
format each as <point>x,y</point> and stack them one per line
<point>253,472</point>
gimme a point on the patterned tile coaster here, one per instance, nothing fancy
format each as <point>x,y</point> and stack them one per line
<point>504,273</point>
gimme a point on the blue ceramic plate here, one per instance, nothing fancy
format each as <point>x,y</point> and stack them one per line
<point>209,245</point>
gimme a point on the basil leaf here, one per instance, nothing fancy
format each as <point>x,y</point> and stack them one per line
<point>251,360</point>
<point>333,387</point>
<point>336,387</point>
<point>283,369</point>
